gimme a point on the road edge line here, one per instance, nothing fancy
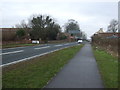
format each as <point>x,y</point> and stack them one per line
<point>33,56</point>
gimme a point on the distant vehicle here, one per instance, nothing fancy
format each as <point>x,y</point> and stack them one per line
<point>79,41</point>
<point>35,41</point>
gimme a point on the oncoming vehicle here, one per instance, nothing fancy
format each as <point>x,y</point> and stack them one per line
<point>35,41</point>
<point>79,41</point>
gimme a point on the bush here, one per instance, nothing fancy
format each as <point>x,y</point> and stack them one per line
<point>20,33</point>
<point>63,37</point>
<point>108,44</point>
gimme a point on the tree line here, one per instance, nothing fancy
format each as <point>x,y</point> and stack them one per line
<point>44,27</point>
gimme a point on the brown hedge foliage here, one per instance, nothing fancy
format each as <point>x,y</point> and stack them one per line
<point>108,44</point>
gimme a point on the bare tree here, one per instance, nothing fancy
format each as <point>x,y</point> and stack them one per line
<point>112,26</point>
<point>23,24</point>
<point>71,25</point>
<point>23,29</point>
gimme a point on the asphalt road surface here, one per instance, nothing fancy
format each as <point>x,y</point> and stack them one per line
<point>14,55</point>
<point>80,72</point>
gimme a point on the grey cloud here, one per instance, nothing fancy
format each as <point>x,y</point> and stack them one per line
<point>90,15</point>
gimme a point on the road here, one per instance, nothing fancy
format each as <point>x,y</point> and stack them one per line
<point>14,55</point>
<point>80,72</point>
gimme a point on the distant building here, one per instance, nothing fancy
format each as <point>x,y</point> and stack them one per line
<point>100,31</point>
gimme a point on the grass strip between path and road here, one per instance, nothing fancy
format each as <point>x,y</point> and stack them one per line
<point>37,72</point>
<point>108,66</point>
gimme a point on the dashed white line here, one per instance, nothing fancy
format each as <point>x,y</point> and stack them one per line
<point>12,52</point>
<point>67,44</point>
<point>14,62</point>
<point>58,45</point>
<point>13,48</point>
<point>31,57</point>
<point>42,47</point>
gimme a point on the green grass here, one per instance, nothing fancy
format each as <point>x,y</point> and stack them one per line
<point>37,72</point>
<point>17,45</point>
<point>108,66</point>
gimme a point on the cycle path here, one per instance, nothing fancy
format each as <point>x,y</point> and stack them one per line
<point>80,72</point>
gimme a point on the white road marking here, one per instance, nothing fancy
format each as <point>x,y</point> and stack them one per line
<point>67,44</point>
<point>58,45</point>
<point>12,52</point>
<point>13,48</point>
<point>23,47</point>
<point>29,58</point>
<point>14,62</point>
<point>42,47</point>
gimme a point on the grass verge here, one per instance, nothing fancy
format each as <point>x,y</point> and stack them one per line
<point>37,72</point>
<point>108,66</point>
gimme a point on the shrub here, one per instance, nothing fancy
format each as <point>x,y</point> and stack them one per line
<point>20,33</point>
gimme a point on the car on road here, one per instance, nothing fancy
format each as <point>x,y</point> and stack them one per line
<point>79,41</point>
<point>35,41</point>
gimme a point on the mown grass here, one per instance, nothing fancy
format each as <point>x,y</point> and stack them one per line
<point>108,66</point>
<point>37,72</point>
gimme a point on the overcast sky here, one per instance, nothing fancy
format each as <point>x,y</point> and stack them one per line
<point>90,15</point>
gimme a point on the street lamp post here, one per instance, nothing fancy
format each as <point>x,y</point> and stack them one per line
<point>119,16</point>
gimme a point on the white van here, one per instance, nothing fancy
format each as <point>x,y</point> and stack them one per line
<point>79,41</point>
<point>35,41</point>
